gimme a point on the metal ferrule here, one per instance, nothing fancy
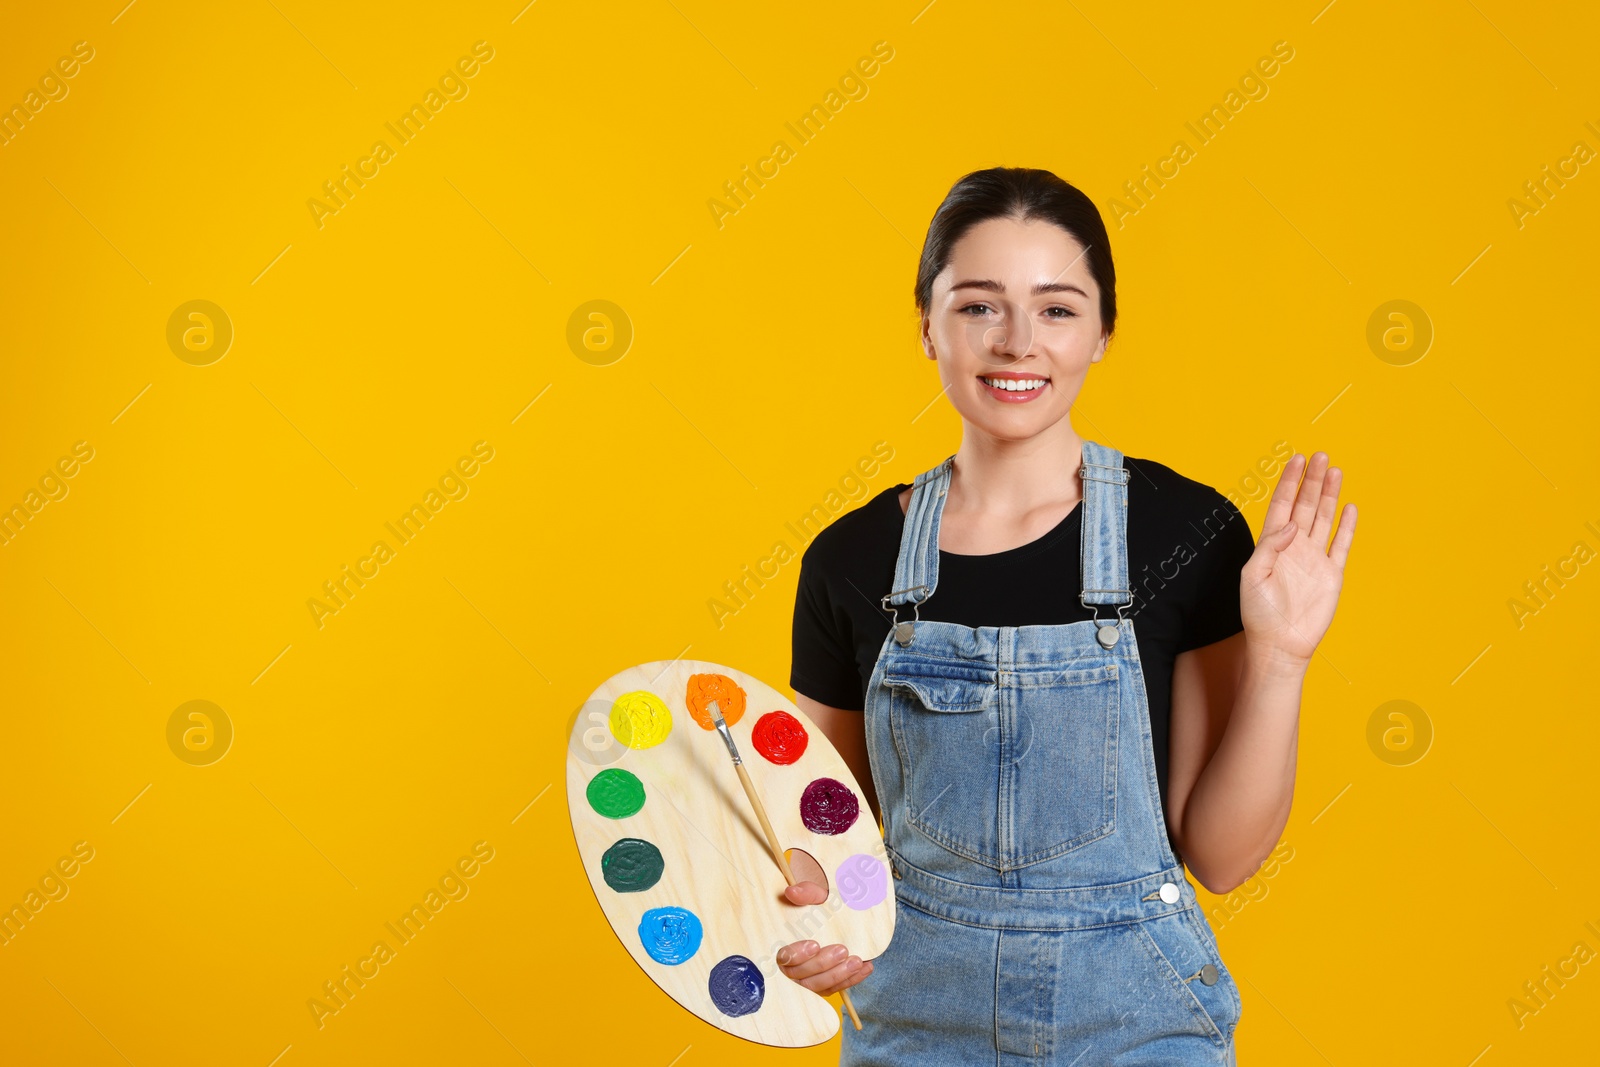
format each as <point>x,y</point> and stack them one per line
<point>722,728</point>
<point>727,738</point>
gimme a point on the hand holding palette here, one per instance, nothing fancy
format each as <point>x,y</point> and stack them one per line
<point>680,864</point>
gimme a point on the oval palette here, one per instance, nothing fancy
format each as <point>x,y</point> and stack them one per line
<point>678,861</point>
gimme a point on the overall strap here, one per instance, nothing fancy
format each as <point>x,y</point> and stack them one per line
<point>1105,527</point>
<point>916,571</point>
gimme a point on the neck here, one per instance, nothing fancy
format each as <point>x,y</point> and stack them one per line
<point>1001,477</point>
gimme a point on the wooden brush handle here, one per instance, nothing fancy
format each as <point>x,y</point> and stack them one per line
<point>766,826</point>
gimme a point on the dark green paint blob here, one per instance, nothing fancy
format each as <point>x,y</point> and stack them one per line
<point>632,865</point>
<point>615,793</point>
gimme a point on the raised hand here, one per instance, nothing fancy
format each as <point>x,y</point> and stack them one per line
<point>1290,586</point>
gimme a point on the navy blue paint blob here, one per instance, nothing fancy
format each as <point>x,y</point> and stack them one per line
<point>737,987</point>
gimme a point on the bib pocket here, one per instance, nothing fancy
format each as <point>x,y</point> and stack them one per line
<point>945,722</point>
<point>1006,774</point>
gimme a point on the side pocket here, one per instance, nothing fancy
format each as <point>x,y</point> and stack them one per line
<point>1184,956</point>
<point>1202,929</point>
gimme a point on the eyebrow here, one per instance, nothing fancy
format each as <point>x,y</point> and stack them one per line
<point>1038,289</point>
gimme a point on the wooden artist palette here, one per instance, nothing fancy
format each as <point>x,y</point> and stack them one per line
<point>679,863</point>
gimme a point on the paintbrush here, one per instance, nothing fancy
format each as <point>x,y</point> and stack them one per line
<point>766,827</point>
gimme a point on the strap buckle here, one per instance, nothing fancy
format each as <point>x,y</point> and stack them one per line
<point>903,630</point>
<point>908,589</point>
<point>1107,632</point>
<point>1120,477</point>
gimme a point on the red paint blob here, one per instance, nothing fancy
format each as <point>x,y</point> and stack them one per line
<point>779,737</point>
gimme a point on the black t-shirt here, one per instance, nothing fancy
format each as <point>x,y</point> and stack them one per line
<point>1186,546</point>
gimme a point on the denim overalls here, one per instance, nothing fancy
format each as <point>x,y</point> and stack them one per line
<point>1042,917</point>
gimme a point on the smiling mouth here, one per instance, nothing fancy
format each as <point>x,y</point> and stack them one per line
<point>1014,389</point>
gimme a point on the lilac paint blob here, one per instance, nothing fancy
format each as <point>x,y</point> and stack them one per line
<point>828,806</point>
<point>862,881</point>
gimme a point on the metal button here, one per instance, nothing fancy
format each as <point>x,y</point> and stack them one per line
<point>1107,635</point>
<point>902,632</point>
<point>1169,895</point>
<point>1208,975</point>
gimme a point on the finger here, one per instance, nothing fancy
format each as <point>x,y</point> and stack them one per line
<point>1326,505</point>
<point>861,972</point>
<point>799,952</point>
<point>1283,495</point>
<point>1305,503</point>
<point>1344,536</point>
<point>834,978</point>
<point>818,963</point>
<point>845,975</point>
<point>805,893</point>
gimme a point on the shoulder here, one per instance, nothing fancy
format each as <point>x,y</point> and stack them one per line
<point>1166,507</point>
<point>846,561</point>
<point>859,535</point>
<point>1158,486</point>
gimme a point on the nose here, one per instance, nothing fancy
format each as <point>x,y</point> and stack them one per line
<point>1002,343</point>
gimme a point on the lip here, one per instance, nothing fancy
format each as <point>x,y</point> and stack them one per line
<point>1008,397</point>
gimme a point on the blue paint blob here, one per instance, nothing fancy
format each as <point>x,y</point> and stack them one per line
<point>737,987</point>
<point>670,935</point>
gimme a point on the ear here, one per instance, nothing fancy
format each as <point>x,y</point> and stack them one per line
<point>926,339</point>
<point>1100,349</point>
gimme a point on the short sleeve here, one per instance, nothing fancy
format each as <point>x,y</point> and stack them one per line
<point>1214,613</point>
<point>822,665</point>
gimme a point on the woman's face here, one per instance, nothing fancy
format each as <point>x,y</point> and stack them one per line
<point>1015,306</point>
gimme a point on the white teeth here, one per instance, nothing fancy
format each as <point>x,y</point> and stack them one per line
<point>1015,385</point>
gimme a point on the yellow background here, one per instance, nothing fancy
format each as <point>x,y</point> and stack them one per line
<point>769,355</point>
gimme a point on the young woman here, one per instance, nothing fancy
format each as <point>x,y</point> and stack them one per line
<point>1061,674</point>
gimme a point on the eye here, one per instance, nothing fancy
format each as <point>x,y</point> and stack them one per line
<point>974,308</point>
<point>1066,312</point>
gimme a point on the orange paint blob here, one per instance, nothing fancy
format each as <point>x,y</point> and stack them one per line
<point>704,688</point>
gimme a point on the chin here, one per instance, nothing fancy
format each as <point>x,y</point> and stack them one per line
<point>1012,426</point>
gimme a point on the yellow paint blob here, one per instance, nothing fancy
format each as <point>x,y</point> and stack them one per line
<point>640,719</point>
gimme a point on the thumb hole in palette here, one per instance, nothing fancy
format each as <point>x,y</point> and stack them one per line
<point>805,868</point>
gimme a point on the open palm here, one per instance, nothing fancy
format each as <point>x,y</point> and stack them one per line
<point>1290,586</point>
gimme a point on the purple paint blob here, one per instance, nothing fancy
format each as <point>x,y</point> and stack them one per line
<point>828,806</point>
<point>862,881</point>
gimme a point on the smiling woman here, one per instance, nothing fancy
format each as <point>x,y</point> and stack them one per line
<point>1084,714</point>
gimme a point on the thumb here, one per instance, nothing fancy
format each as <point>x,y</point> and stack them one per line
<point>1270,545</point>
<point>805,893</point>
